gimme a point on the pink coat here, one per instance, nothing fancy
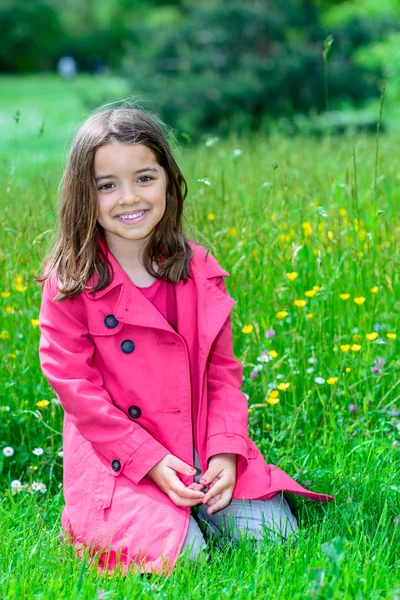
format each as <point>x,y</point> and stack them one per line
<point>126,381</point>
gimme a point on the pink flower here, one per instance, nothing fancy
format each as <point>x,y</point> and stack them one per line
<point>352,408</point>
<point>270,333</point>
<point>254,374</point>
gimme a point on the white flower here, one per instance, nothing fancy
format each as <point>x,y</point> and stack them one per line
<point>258,368</point>
<point>319,380</point>
<point>211,141</point>
<point>8,451</point>
<point>35,485</point>
<point>312,360</point>
<point>16,484</point>
<point>61,453</point>
<point>5,408</point>
<point>204,180</point>
<point>265,357</point>
<point>37,451</point>
<point>42,488</point>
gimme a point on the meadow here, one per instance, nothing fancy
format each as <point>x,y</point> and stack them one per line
<point>308,229</point>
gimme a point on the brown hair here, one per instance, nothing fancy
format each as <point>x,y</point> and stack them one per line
<point>75,254</point>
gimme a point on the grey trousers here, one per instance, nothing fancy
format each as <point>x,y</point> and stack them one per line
<point>250,519</point>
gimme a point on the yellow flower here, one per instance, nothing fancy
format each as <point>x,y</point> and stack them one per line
<point>309,315</point>
<point>355,347</point>
<point>307,229</point>
<point>10,309</point>
<point>316,288</point>
<point>12,355</point>
<point>211,216</point>
<point>291,276</point>
<point>331,380</point>
<point>274,394</point>
<point>391,336</point>
<point>348,369</point>
<point>310,293</point>
<point>359,300</point>
<point>374,290</point>
<point>268,427</point>
<point>4,335</point>
<point>247,329</point>
<point>300,302</point>
<point>250,410</point>
<point>272,400</point>
<point>42,403</point>
<point>5,294</point>
<point>345,296</point>
<point>330,235</point>
<point>342,212</point>
<point>35,322</point>
<point>281,314</point>
<point>273,353</point>
<point>345,347</point>
<point>283,386</point>
<point>372,336</point>
<point>232,231</point>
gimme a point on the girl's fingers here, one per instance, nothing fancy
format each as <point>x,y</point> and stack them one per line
<point>216,489</point>
<point>222,502</point>
<point>179,501</point>
<point>181,490</point>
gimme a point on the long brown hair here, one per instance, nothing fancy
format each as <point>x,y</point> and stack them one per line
<point>75,254</point>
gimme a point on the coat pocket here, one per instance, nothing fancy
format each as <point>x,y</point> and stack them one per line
<point>105,487</point>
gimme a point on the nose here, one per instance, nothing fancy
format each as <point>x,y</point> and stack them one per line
<point>128,194</point>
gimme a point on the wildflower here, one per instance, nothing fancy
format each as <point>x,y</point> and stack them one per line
<point>283,386</point>
<point>344,296</point>
<point>12,355</point>
<point>372,336</point>
<point>319,380</point>
<point>272,400</point>
<point>254,374</point>
<point>332,380</point>
<point>394,413</point>
<point>273,353</point>
<point>237,152</point>
<point>247,329</point>
<point>5,294</point>
<point>4,335</point>
<point>377,327</point>
<point>395,443</point>
<point>16,484</point>
<point>377,367</point>
<point>10,309</point>
<point>300,303</point>
<point>312,360</point>
<point>211,216</point>
<point>249,411</point>
<point>281,314</point>
<point>352,408</point>
<point>265,357</point>
<point>348,369</point>
<point>374,290</point>
<point>309,315</point>
<point>35,322</point>
<point>8,451</point>
<point>61,453</point>
<point>270,333</point>
<point>37,451</point>
<point>274,393</point>
<point>310,370</point>
<point>391,336</point>
<point>232,231</point>
<point>355,347</point>
<point>342,212</point>
<point>396,520</point>
<point>307,229</point>
<point>268,427</point>
<point>292,276</point>
<point>359,300</point>
<point>345,347</point>
<point>42,403</point>
<point>310,293</point>
<point>316,288</point>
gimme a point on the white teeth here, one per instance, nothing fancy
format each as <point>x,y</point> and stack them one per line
<point>130,217</point>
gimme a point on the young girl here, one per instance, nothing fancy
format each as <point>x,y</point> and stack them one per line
<point>136,342</point>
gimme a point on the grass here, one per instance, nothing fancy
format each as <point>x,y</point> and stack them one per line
<point>270,207</point>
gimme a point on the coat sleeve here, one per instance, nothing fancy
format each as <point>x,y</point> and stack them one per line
<point>227,418</point>
<point>66,358</point>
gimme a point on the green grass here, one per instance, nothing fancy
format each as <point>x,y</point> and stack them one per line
<point>281,206</point>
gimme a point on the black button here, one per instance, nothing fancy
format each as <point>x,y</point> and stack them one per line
<point>127,346</point>
<point>116,465</point>
<point>110,321</point>
<point>134,412</point>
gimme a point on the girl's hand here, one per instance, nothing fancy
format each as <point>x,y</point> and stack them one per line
<point>164,474</point>
<point>221,477</point>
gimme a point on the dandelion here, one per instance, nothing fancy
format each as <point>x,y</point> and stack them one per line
<point>344,296</point>
<point>355,347</point>
<point>37,451</point>
<point>281,314</point>
<point>310,293</point>
<point>374,290</point>
<point>8,451</point>
<point>247,329</point>
<point>319,380</point>
<point>270,333</point>
<point>292,276</point>
<point>372,336</point>
<point>300,303</point>
<point>332,380</point>
<point>391,336</point>
<point>5,294</point>
<point>211,216</point>
<point>348,369</point>
<point>345,347</point>
<point>359,300</point>
<point>309,315</point>
<point>42,403</point>
<point>283,386</point>
<point>273,353</point>
<point>316,288</point>
<point>232,231</point>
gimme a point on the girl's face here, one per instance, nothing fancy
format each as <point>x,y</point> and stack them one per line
<point>129,181</point>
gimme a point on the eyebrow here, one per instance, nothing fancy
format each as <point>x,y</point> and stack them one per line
<point>136,172</point>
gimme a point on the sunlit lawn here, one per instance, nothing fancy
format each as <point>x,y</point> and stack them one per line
<point>309,234</point>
